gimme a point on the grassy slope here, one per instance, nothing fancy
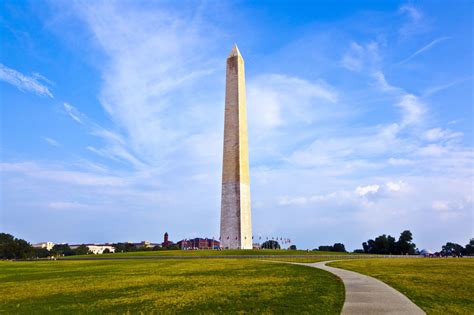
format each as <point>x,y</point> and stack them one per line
<point>438,286</point>
<point>230,252</point>
<point>217,285</point>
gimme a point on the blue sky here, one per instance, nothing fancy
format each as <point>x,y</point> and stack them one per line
<point>360,119</point>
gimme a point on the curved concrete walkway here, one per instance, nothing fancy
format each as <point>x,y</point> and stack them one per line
<point>366,295</point>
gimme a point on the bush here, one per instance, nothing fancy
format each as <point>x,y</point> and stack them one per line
<point>82,250</point>
<point>41,253</point>
<point>62,250</point>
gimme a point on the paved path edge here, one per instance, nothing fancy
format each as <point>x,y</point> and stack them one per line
<point>368,295</point>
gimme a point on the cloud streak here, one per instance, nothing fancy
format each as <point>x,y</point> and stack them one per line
<point>423,49</point>
<point>51,141</point>
<point>25,83</point>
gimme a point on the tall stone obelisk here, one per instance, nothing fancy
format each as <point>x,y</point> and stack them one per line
<point>236,221</point>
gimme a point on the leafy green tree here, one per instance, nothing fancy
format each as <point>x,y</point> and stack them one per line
<point>326,248</point>
<point>7,246</point>
<point>172,247</point>
<point>6,238</point>
<point>469,250</point>
<point>452,249</point>
<point>292,247</point>
<point>24,249</point>
<point>339,247</point>
<point>365,247</point>
<point>41,252</point>
<point>358,251</point>
<point>82,250</point>
<point>62,250</point>
<point>386,244</point>
<point>14,248</point>
<point>106,251</point>
<point>124,247</point>
<point>271,244</point>
<point>404,245</point>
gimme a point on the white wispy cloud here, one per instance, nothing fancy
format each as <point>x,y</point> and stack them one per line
<point>423,49</point>
<point>412,109</point>
<point>394,186</point>
<point>73,113</point>
<point>397,162</point>
<point>361,56</point>
<point>414,14</point>
<point>59,174</point>
<point>276,100</point>
<point>64,205</point>
<point>435,89</point>
<point>23,82</point>
<point>155,60</point>
<point>432,150</point>
<point>369,189</point>
<point>116,147</point>
<point>415,21</point>
<point>451,209</point>
<point>381,81</point>
<point>51,141</point>
<point>436,134</point>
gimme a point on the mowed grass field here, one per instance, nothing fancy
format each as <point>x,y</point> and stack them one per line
<point>167,286</point>
<point>438,285</point>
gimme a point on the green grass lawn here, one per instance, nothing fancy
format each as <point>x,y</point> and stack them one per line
<point>308,260</point>
<point>169,286</point>
<point>229,252</point>
<point>438,285</point>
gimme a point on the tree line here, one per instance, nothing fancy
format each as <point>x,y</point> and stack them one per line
<point>15,248</point>
<point>386,244</point>
<point>453,249</point>
<point>128,247</point>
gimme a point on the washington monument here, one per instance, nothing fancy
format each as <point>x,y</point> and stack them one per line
<point>236,220</point>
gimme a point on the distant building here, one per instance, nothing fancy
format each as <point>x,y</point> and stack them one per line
<point>96,248</point>
<point>166,241</point>
<point>146,244</point>
<point>199,243</point>
<point>47,245</point>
